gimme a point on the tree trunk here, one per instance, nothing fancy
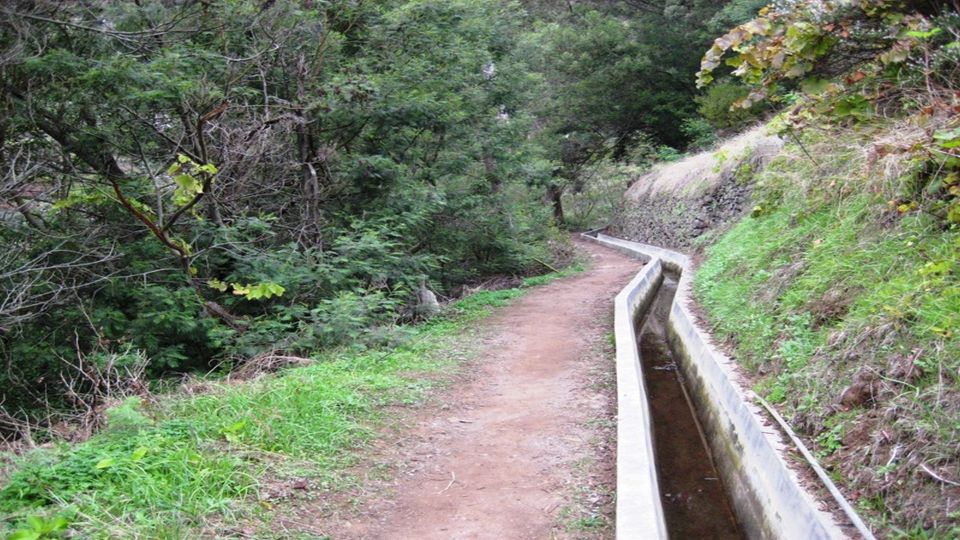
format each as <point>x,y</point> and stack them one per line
<point>310,187</point>
<point>554,194</point>
<point>490,171</point>
<point>309,180</point>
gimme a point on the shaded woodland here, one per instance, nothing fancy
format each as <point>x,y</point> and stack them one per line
<point>191,184</point>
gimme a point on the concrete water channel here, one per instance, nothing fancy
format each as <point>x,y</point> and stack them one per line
<point>692,493</point>
<point>697,457</point>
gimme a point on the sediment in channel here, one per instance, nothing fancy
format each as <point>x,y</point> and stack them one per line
<point>692,492</point>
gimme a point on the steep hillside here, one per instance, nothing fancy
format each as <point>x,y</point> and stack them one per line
<point>840,294</point>
<point>677,202</point>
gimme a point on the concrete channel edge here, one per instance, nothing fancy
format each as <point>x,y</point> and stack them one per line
<point>751,455</point>
<point>639,515</point>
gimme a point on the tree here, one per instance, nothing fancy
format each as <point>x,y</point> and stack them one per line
<point>204,180</point>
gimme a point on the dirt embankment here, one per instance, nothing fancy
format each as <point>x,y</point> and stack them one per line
<point>676,203</point>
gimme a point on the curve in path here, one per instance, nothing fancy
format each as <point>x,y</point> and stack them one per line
<point>498,462</point>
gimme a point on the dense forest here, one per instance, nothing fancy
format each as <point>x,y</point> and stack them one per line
<point>193,187</point>
<point>190,184</point>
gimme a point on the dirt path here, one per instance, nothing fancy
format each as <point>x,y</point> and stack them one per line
<point>503,457</point>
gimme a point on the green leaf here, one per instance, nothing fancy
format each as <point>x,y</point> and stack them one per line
<point>209,168</point>
<point>59,523</point>
<point>855,106</point>
<point>36,523</point>
<point>139,453</point>
<point>217,285</point>
<point>235,427</point>
<point>77,197</point>
<point>948,138</point>
<point>240,290</point>
<point>919,34</point>
<point>256,291</point>
<point>105,463</point>
<point>142,207</point>
<point>182,244</point>
<point>188,182</point>
<point>188,188</point>
<point>947,134</point>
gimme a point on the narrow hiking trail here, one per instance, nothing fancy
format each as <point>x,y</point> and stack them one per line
<point>500,457</point>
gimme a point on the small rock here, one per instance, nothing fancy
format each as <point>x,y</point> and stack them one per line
<point>427,304</point>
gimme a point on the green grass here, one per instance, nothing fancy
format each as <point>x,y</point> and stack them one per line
<point>151,480</point>
<point>905,277</point>
<point>829,282</point>
<point>588,523</point>
<point>163,470</point>
<point>544,279</point>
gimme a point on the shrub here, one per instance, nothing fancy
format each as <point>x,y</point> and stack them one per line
<point>699,132</point>
<point>717,106</point>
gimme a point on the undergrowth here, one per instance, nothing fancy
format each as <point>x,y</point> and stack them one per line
<point>163,469</point>
<point>846,310</point>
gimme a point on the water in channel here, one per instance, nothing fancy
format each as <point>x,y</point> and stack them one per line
<point>695,502</point>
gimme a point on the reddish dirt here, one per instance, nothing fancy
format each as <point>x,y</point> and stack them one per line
<point>504,454</point>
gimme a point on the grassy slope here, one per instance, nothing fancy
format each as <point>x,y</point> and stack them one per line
<point>830,287</point>
<point>167,469</point>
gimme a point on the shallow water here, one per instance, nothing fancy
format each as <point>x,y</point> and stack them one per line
<point>695,502</point>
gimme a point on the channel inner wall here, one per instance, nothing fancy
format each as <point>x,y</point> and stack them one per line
<point>751,456</point>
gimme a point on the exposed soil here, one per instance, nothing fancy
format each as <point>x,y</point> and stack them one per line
<point>678,220</point>
<point>521,446</point>
<point>675,204</point>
